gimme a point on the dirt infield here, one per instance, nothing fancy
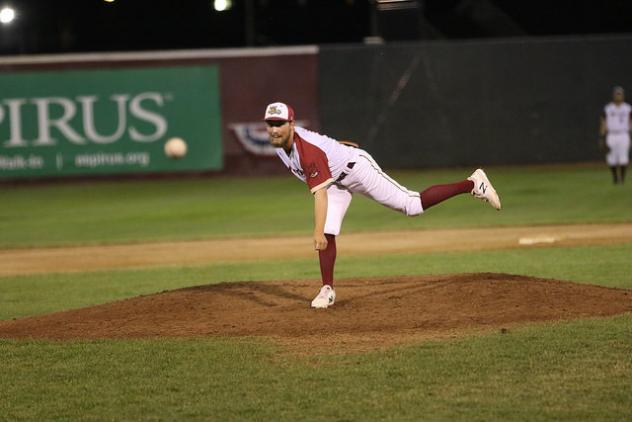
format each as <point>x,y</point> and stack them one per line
<point>369,313</point>
<point>91,258</point>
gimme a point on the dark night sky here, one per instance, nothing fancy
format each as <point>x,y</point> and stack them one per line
<point>94,25</point>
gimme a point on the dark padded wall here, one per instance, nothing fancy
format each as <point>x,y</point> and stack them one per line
<point>468,103</point>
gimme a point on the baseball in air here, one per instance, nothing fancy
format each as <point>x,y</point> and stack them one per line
<point>175,148</point>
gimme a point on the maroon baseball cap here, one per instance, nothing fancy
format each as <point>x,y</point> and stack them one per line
<point>279,111</point>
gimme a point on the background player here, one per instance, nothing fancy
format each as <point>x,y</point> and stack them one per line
<point>614,131</point>
<point>333,171</point>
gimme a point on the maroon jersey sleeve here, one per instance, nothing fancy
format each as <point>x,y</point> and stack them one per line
<point>315,166</point>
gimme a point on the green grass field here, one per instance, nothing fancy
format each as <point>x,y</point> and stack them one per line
<point>579,370</point>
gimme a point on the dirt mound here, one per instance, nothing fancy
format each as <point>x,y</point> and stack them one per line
<point>368,313</point>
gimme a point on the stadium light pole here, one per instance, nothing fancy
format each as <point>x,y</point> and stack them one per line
<point>9,39</point>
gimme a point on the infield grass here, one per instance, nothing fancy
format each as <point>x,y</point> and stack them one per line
<point>140,211</point>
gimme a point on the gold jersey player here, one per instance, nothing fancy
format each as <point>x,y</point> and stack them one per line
<point>334,171</point>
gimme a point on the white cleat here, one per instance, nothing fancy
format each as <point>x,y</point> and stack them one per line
<point>326,297</point>
<point>483,188</point>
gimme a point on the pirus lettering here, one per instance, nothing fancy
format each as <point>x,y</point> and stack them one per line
<point>76,121</point>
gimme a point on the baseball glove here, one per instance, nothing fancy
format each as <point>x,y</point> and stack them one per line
<point>349,143</point>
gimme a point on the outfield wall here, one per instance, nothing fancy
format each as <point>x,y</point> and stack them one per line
<point>412,105</point>
<point>473,102</point>
<point>69,115</point>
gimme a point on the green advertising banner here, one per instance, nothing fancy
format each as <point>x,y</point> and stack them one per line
<point>57,123</point>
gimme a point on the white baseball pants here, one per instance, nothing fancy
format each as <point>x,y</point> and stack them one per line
<point>619,144</point>
<point>366,177</point>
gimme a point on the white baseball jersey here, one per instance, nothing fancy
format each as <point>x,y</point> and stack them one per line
<point>322,162</point>
<point>617,117</point>
<point>316,159</point>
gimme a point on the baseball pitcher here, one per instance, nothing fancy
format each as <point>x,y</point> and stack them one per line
<point>334,171</point>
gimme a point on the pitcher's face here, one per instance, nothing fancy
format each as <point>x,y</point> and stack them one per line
<point>279,132</point>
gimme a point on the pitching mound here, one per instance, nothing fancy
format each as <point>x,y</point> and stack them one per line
<point>368,314</point>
